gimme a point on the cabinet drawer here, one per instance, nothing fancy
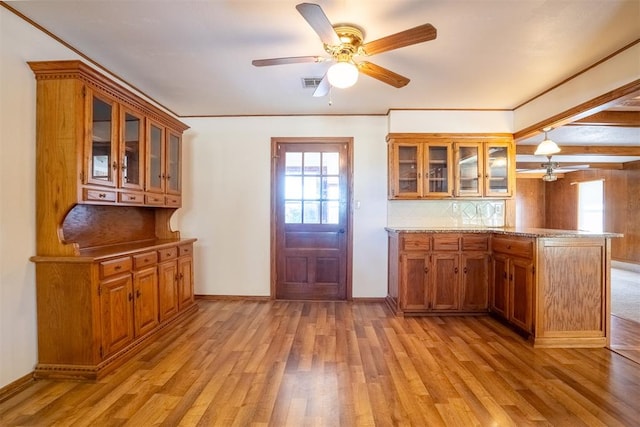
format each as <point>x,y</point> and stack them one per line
<point>144,260</point>
<point>475,242</point>
<point>99,195</point>
<point>446,243</point>
<point>115,266</point>
<point>521,248</point>
<point>174,201</point>
<point>131,198</point>
<point>168,253</point>
<point>416,242</point>
<point>185,250</point>
<point>154,199</point>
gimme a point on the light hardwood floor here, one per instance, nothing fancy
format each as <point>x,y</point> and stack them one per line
<point>352,364</point>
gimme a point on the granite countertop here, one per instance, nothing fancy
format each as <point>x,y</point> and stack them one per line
<point>512,231</point>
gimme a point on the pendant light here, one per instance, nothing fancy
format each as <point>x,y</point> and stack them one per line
<point>547,147</point>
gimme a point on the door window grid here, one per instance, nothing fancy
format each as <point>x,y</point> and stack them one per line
<point>312,188</point>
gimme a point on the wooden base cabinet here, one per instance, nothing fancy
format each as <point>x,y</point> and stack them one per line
<point>95,311</point>
<point>438,273</point>
<point>513,279</point>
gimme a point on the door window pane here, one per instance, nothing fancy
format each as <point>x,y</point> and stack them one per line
<point>330,212</point>
<point>293,212</point>
<point>312,188</point>
<point>311,213</point>
<point>330,163</point>
<point>293,164</point>
<point>312,163</point>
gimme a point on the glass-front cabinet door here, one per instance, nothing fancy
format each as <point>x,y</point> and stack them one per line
<point>438,172</point>
<point>469,161</point>
<point>132,151</point>
<point>405,171</point>
<point>155,155</point>
<point>497,169</point>
<point>173,185</point>
<point>102,152</point>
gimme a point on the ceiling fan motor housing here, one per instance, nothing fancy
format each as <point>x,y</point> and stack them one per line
<point>350,43</point>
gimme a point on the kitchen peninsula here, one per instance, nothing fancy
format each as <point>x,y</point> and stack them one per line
<point>553,286</point>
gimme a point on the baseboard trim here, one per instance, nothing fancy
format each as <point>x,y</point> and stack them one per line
<point>16,386</point>
<point>625,266</point>
<point>232,298</point>
<point>370,299</point>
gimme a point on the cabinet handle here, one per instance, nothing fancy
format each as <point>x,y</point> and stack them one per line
<point>117,267</point>
<point>168,177</point>
<point>114,165</point>
<point>123,167</point>
<point>426,270</point>
<point>465,270</point>
<point>130,297</point>
<point>132,197</point>
<point>511,277</point>
<point>504,275</point>
<point>146,260</point>
<point>102,195</point>
<point>455,270</point>
<point>138,293</point>
<point>181,276</point>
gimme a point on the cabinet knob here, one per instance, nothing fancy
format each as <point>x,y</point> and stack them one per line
<point>465,270</point>
<point>455,270</point>
<point>426,270</point>
<point>138,293</point>
<point>130,297</point>
<point>114,165</point>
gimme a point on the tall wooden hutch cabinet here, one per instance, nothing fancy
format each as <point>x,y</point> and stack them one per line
<point>110,271</point>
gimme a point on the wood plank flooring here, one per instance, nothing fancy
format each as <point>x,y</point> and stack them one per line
<point>285,363</point>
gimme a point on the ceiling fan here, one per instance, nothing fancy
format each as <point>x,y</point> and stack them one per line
<point>548,148</point>
<point>343,42</point>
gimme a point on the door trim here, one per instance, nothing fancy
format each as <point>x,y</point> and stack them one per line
<point>274,156</point>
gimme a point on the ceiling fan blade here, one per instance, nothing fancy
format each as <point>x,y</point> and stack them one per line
<point>382,74</point>
<point>419,34</point>
<point>286,60</point>
<point>319,22</point>
<point>323,88</point>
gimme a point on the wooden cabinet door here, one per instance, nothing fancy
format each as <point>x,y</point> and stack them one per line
<point>498,182</point>
<point>415,271</point>
<point>405,170</point>
<point>475,282</point>
<point>521,293</point>
<point>438,170</point>
<point>155,163</point>
<point>101,148</point>
<point>145,287</point>
<point>469,162</point>
<point>173,163</point>
<point>132,151</point>
<point>167,289</point>
<point>446,281</point>
<point>116,309</point>
<point>185,282</point>
<point>499,284</point>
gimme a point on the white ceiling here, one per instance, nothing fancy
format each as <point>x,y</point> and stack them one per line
<point>194,57</point>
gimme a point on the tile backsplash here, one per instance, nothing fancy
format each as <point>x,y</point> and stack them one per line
<point>445,213</point>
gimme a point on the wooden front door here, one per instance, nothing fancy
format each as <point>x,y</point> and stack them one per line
<point>310,216</point>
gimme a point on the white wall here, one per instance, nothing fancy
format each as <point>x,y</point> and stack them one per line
<point>19,43</point>
<point>227,172</point>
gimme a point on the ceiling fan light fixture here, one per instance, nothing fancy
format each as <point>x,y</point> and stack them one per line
<point>343,74</point>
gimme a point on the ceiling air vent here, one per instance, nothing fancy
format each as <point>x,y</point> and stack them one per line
<point>311,82</point>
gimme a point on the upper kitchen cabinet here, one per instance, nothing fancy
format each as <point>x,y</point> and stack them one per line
<point>97,139</point>
<point>438,166</point>
<point>164,151</point>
